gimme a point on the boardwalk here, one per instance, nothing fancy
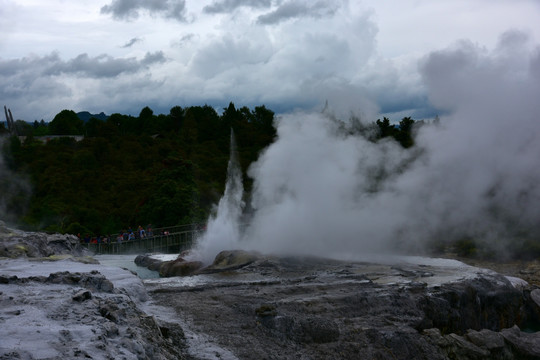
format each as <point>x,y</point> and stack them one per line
<point>174,240</point>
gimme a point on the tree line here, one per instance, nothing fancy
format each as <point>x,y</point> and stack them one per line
<point>165,169</point>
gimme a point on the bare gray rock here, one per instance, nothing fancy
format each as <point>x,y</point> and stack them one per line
<point>78,315</point>
<point>15,243</point>
<point>310,308</point>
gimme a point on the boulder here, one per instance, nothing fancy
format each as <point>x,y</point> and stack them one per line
<point>524,345</point>
<point>231,260</point>
<point>16,243</point>
<point>179,267</point>
<point>148,262</point>
<point>535,296</point>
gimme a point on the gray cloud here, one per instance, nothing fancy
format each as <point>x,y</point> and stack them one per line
<point>226,6</point>
<point>153,58</point>
<point>103,66</point>
<point>24,78</point>
<point>130,9</point>
<point>131,42</point>
<point>38,86</point>
<point>298,9</point>
<point>183,40</point>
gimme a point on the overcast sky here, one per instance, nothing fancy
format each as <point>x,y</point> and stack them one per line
<point>122,55</point>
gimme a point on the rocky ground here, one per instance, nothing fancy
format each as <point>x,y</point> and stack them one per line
<point>392,308</point>
<point>56,302</point>
<point>528,270</point>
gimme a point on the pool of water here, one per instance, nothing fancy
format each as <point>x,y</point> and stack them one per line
<point>127,262</point>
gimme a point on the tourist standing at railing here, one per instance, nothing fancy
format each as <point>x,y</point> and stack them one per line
<point>149,231</point>
<point>142,233</point>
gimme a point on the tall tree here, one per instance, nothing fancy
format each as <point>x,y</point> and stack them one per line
<point>66,122</point>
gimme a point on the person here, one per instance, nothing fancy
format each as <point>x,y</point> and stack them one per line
<point>142,233</point>
<point>149,231</point>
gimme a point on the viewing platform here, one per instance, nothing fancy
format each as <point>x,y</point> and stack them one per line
<point>166,240</point>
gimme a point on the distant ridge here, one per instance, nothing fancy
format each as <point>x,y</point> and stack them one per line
<point>85,116</point>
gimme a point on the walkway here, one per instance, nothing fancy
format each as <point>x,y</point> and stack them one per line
<point>169,240</point>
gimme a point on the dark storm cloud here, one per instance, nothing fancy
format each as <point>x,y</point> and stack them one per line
<point>298,9</point>
<point>226,6</point>
<point>130,9</point>
<point>131,42</point>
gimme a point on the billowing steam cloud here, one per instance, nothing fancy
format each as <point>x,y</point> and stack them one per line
<point>319,190</point>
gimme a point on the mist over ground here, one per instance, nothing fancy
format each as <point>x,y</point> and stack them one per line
<point>321,190</point>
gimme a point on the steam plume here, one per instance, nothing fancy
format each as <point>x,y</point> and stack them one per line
<point>323,191</point>
<point>318,190</point>
<point>223,228</point>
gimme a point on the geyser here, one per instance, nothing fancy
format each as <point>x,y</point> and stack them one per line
<point>223,228</point>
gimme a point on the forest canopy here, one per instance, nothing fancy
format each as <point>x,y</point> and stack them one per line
<point>165,169</point>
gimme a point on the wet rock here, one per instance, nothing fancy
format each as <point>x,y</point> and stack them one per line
<point>148,262</point>
<point>224,261</point>
<point>231,260</point>
<point>179,267</point>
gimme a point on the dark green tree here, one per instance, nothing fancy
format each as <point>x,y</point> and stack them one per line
<point>176,116</point>
<point>405,134</point>
<point>385,128</point>
<point>66,122</point>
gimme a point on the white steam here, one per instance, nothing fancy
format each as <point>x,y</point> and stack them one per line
<point>319,190</point>
<point>223,228</point>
